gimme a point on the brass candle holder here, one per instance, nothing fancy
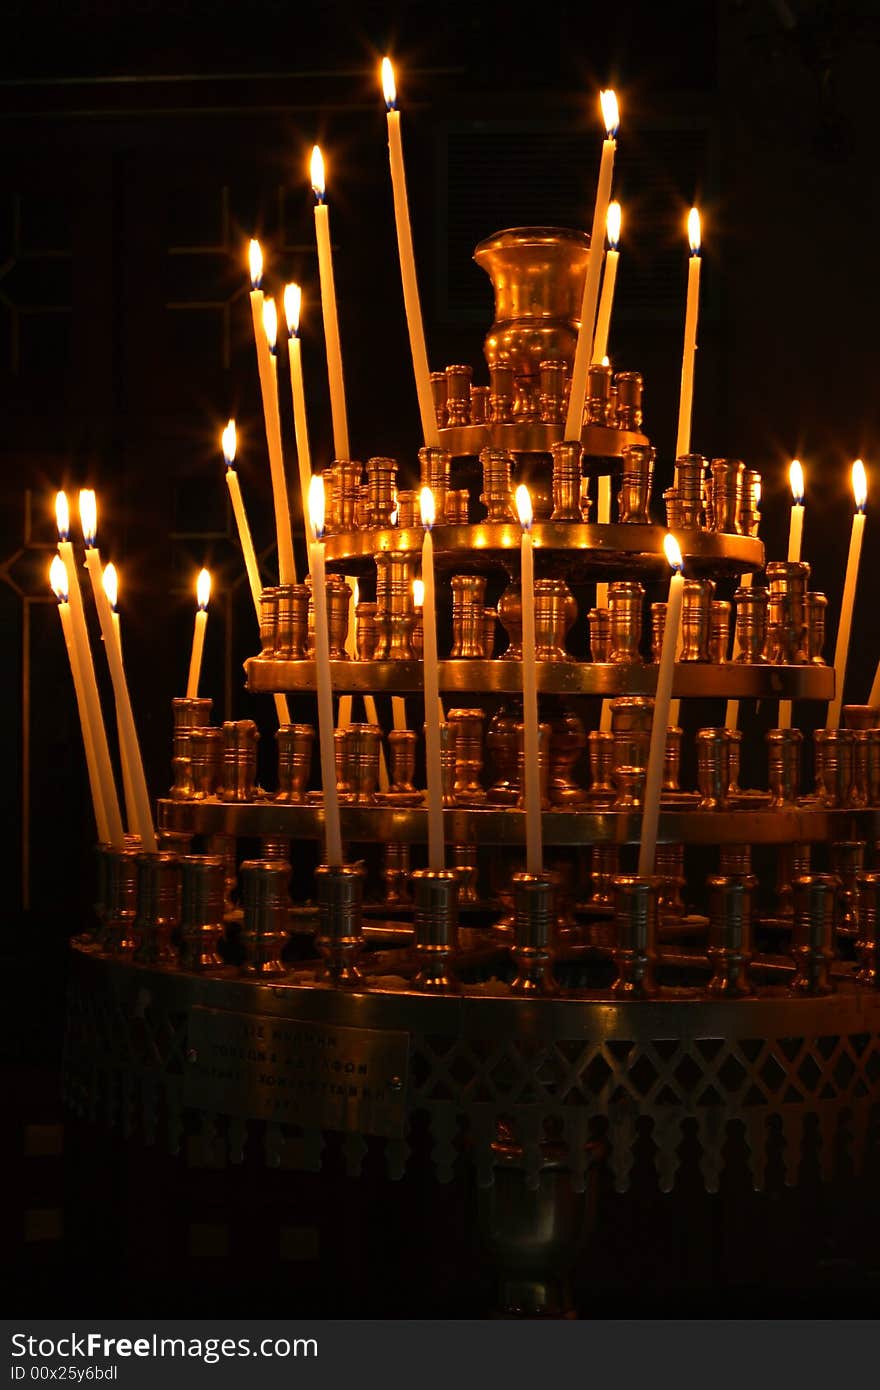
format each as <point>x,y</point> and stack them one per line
<point>206,762</point>
<point>266,904</point>
<point>815,897</point>
<point>567,461</point>
<point>340,893</point>
<point>187,714</point>
<point>712,771</point>
<point>727,482</point>
<point>635,948</point>
<point>468,607</point>
<point>751,625</point>
<point>599,620</point>
<point>696,620</point>
<point>551,388</point>
<point>434,464</point>
<point>497,494</point>
<point>689,472</point>
<point>867,946</point>
<point>240,739</point>
<point>625,603</point>
<point>202,893</point>
<point>784,766</point>
<point>635,484</point>
<point>629,400</point>
<point>551,619</point>
<point>730,936</point>
<point>467,725</point>
<point>532,948</point>
<point>117,936</point>
<point>158,907</point>
<point>436,894</point>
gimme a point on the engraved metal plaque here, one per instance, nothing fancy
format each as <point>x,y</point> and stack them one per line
<point>321,1076</point>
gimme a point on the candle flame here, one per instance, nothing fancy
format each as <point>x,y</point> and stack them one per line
<point>673,553</point>
<point>610,112</point>
<point>62,515</point>
<point>88,515</point>
<point>316,504</point>
<point>524,507</point>
<point>613,219</point>
<point>58,578</point>
<point>356,594</point>
<point>255,261</point>
<point>426,506</point>
<point>110,580</point>
<point>316,174</point>
<point>270,322</point>
<point>292,306</point>
<point>228,442</point>
<point>859,485</point>
<point>389,86</point>
<point>694,231</point>
<point>796,478</point>
<point>203,589</point>
<point>756,492</point>
<point>606,361</point>
<point>418,593</point>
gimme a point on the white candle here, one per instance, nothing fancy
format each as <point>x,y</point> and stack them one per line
<point>324,689</point>
<point>292,311</point>
<point>203,593</point>
<point>574,422</point>
<point>609,280</point>
<point>58,581</point>
<point>431,684</point>
<point>660,722</point>
<point>411,300</point>
<point>692,310</point>
<point>531,765</point>
<point>143,824</point>
<point>110,827</point>
<point>110,581</point>
<point>841,649</point>
<point>796,521</point>
<point>328,307</point>
<point>271,412</point>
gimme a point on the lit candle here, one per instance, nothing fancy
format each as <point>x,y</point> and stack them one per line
<point>431,685</point>
<point>58,581</point>
<point>574,422</point>
<point>686,397</point>
<point>796,521</point>
<point>110,581</point>
<point>328,307</point>
<point>531,768</point>
<point>292,311</point>
<point>110,826</point>
<point>143,824</point>
<point>609,280</point>
<point>660,721</point>
<point>269,388</point>
<point>841,649</point>
<point>245,539</point>
<point>411,301</point>
<point>203,593</point>
<point>324,689</point>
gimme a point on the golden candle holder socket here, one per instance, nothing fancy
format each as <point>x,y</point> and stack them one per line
<point>510,618</point>
<point>787,619</point>
<point>187,714</point>
<point>348,494</point>
<point>551,391</point>
<point>497,493</point>
<point>502,393</point>
<point>751,625</point>
<point>833,751</point>
<point>396,874</point>
<point>631,720</point>
<point>340,893</point>
<point>117,936</point>
<point>532,949</point>
<point>202,896</point>
<point>538,276</point>
<point>465,867</point>
<point>598,394</point>
<point>225,846</point>
<point>158,907</point>
<point>362,762</point>
<point>815,898</point>
<point>467,725</point>
<point>672,760</point>
<point>733,740</point>
<point>730,937</point>
<point>383,605</point>
<point>458,394</point>
<point>635,923</point>
<point>625,604</point>
<point>719,631</point>
<point>402,759</point>
<point>266,904</point>
<point>240,738</point>
<point>268,622</point>
<point>847,862</point>
<point>501,746</point>
<point>712,780</point>
<point>490,627</point>
<point>436,928</point>
<point>635,484</point>
<point>438,392</point>
<point>672,503</point>
<point>793,861</point>
<point>862,717</point>
<point>381,491</point>
<point>407,508</point>
<point>468,603</point>
<point>817,608</point>
<point>749,511</point>
<point>458,501</point>
<point>707,495</point>
<point>860,793</point>
<point>784,766</point>
<point>735,861</point>
<point>727,482</point>
<point>567,457</point>
<point>567,742</point>
<point>669,873</point>
<point>434,464</point>
<point>206,762</point>
<point>300,643</point>
<point>604,868</point>
<point>366,635</point>
<point>600,759</point>
<point>447,762</point>
<point>338,598</point>
<point>480,407</point>
<point>696,619</point>
<point>629,785</point>
<point>551,619</point>
<point>690,470</point>
<point>868,943</point>
<point>543,766</point>
<point>340,753</point>
<point>629,400</point>
<point>295,742</point>
<point>284,607</point>
<point>658,627</point>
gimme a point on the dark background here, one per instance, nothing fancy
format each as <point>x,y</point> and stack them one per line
<point>142,142</point>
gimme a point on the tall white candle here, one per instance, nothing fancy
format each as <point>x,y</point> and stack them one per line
<point>431,684</point>
<point>583,352</point>
<point>841,649</point>
<point>328,307</point>
<point>324,689</point>
<point>796,521</point>
<point>58,581</point>
<point>110,581</point>
<point>127,733</point>
<point>531,765</point>
<point>292,311</point>
<point>609,281</point>
<point>110,828</point>
<point>271,411</point>
<point>203,593</point>
<point>411,301</point>
<point>660,722</point>
<point>692,311</point>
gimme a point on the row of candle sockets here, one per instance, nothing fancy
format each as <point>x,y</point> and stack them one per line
<point>719,496</point>
<point>613,401</point>
<point>173,909</point>
<point>783,623</point>
<point>221,762</point>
